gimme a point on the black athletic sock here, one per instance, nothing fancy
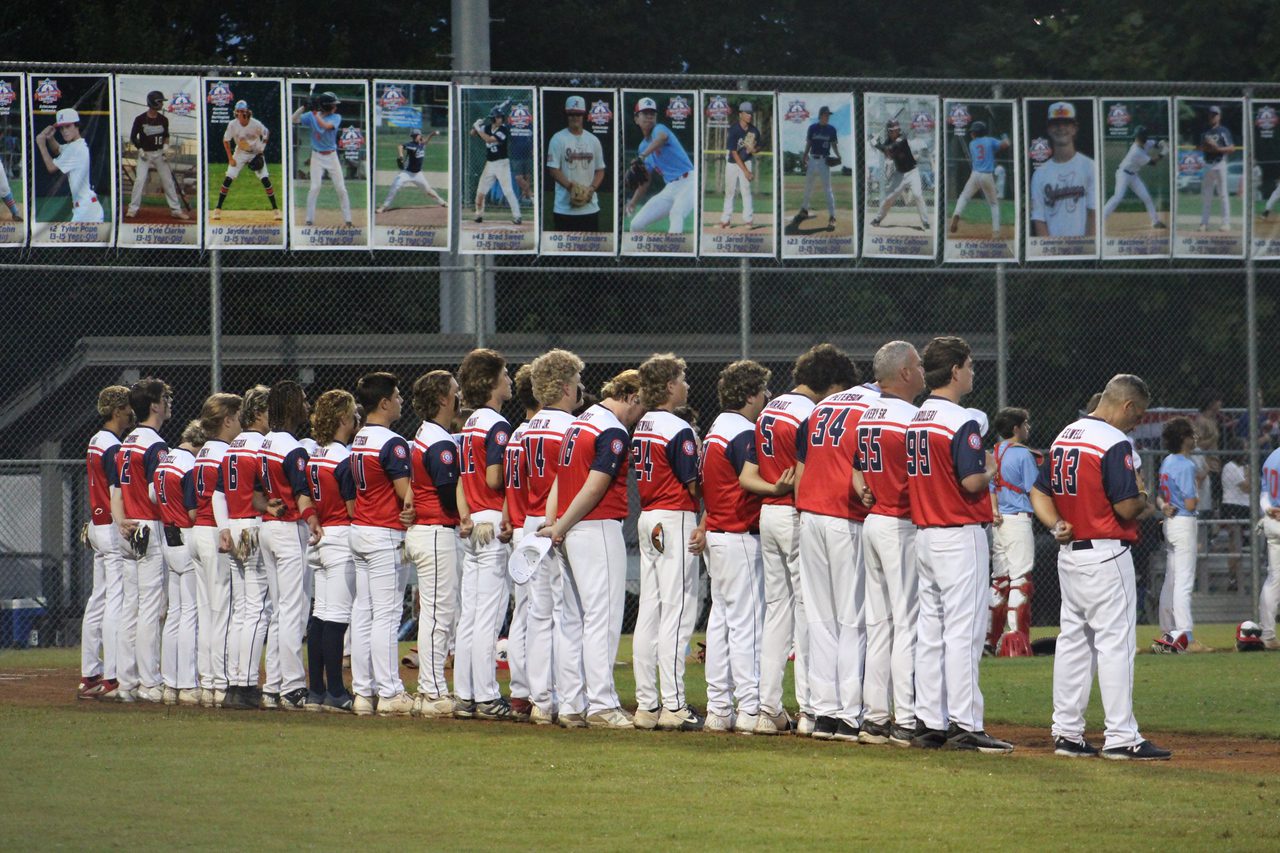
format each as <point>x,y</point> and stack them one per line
<point>271,192</point>
<point>315,654</point>
<point>334,633</point>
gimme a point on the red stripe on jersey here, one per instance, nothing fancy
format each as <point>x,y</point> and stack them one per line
<point>543,439</point>
<point>1077,482</point>
<point>730,508</point>
<point>831,443</point>
<point>776,439</point>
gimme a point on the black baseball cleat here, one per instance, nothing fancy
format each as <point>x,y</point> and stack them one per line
<point>1266,214</point>
<point>247,699</point>
<point>296,700</point>
<point>927,738</point>
<point>901,735</point>
<point>846,732</point>
<point>824,728</point>
<point>480,218</point>
<point>1145,751</point>
<point>1074,748</point>
<point>874,733</point>
<point>958,738</point>
<point>495,709</point>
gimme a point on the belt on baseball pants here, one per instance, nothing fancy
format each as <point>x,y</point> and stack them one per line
<point>330,151</point>
<point>984,524</point>
<point>92,200</point>
<point>1127,172</point>
<point>1088,544</point>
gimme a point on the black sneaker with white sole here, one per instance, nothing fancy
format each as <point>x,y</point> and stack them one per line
<point>901,735</point>
<point>1074,748</point>
<point>496,709</point>
<point>1145,751</point>
<point>846,732</point>
<point>927,738</point>
<point>824,728</point>
<point>958,738</point>
<point>294,700</point>
<point>874,733</point>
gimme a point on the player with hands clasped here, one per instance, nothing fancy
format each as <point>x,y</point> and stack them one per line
<point>743,141</point>
<point>982,175</point>
<point>1013,546</point>
<point>515,512</point>
<point>906,175</point>
<point>821,155</point>
<point>1216,143</point>
<point>659,152</point>
<point>495,135</point>
<point>71,157</point>
<point>1177,501</point>
<point>410,156</point>
<point>1269,503</point>
<point>1064,191</point>
<point>175,488</point>
<point>245,141</point>
<point>322,118</point>
<point>575,163</point>
<point>1089,497</point>
<point>1143,152</point>
<point>150,136</point>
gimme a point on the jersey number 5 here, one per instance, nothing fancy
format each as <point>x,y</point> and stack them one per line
<point>869,448</point>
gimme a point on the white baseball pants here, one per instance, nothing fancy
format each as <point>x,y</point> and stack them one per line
<point>5,192</point>
<point>322,163</point>
<point>719,673</point>
<point>951,626</point>
<point>675,202</point>
<point>418,179</point>
<point>1098,624</point>
<point>1271,200</point>
<point>381,577</point>
<point>499,172</point>
<point>542,635</point>
<point>1126,181</point>
<point>147,161</point>
<point>250,608</point>
<point>668,607</point>
<point>333,575</point>
<point>1013,556</point>
<point>87,212</point>
<point>1269,598</point>
<point>888,547</point>
<point>431,548</point>
<point>985,183</point>
<point>242,159</point>
<point>214,643</point>
<point>1214,182</point>
<point>736,179</point>
<point>899,184</point>
<point>138,641</point>
<point>594,579</point>
<point>1179,575</point>
<point>737,587</point>
<point>518,631</point>
<point>786,628</point>
<point>486,591</point>
<point>833,574</point>
<point>817,170</point>
<point>284,556</point>
<point>178,643</point>
<point>100,628</point>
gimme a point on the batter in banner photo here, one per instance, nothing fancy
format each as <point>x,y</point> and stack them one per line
<point>1063,194</point>
<point>1137,178</point>
<point>243,121</point>
<point>1213,179</point>
<point>329,130</point>
<point>659,187</point>
<point>580,135</point>
<point>498,177</point>
<point>411,164</point>
<point>900,202</point>
<point>817,174</point>
<point>13,228</point>
<point>980,181</point>
<point>1264,121</point>
<point>738,196</point>
<point>159,144</point>
<point>72,157</point>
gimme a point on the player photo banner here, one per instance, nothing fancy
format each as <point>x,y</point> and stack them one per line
<point>1137,177</point>
<point>980,180</point>
<point>580,153</point>
<point>819,190</point>
<point>1213,179</point>
<point>900,200</point>
<point>1062,196</point>
<point>739,147</point>
<point>500,177</point>
<point>158,140</point>
<point>658,178</point>
<point>329,156</point>
<point>245,160</point>
<point>1264,119</point>
<point>72,159</point>
<point>412,164</point>
<point>13,161</point>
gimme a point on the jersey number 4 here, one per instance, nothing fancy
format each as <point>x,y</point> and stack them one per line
<point>1065,462</point>
<point>829,424</point>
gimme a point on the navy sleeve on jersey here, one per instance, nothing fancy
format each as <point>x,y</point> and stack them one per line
<point>682,455</point>
<point>802,440</point>
<point>394,458</point>
<point>1118,479</point>
<point>189,496</point>
<point>109,466</point>
<point>346,482</point>
<point>441,461</point>
<point>295,468</point>
<point>495,443</point>
<point>612,451</point>
<point>741,450</point>
<point>967,458</point>
<point>1044,476</point>
<point>151,459</point>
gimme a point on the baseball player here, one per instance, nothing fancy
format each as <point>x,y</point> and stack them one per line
<point>380,460</point>
<point>486,387</point>
<point>906,177</point>
<point>1269,503</point>
<point>557,378</point>
<point>1064,191</point>
<point>220,420</point>
<point>1088,496</point>
<point>661,153</point>
<point>1143,152</point>
<point>134,510</point>
<point>245,142</point>
<point>743,141</point>
<point>410,157</point>
<point>175,488</point>
<point>71,157</point>
<point>1266,210</point>
<point>1216,143</point>
<point>333,488</point>
<point>516,511</point>
<point>322,118</point>
<point>1013,545</point>
<point>430,542</point>
<point>982,167</point>
<point>818,373</point>
<point>948,476</point>
<point>494,134</point>
<point>575,163</point>
<point>664,456</point>
<point>6,195</point>
<point>1177,500</point>
<point>888,548</point>
<point>101,624</point>
<point>589,503</point>
<point>821,142</point>
<point>150,136</point>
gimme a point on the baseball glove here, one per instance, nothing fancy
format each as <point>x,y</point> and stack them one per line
<point>479,124</point>
<point>580,194</point>
<point>257,163</point>
<point>140,539</point>
<point>636,176</point>
<point>1163,147</point>
<point>482,534</point>
<point>833,161</point>
<point>399,162</point>
<point>749,143</point>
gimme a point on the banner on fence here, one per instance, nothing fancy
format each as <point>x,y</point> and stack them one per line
<point>579,139</point>
<point>817,165</point>
<point>1062,170</point>
<point>658,172</point>
<point>412,180</point>
<point>739,210</point>
<point>901,201</point>
<point>246,163</point>
<point>1137,156</point>
<point>1213,179</point>
<point>329,153</point>
<point>72,159</point>
<point>980,179</point>
<point>499,170</point>
<point>1264,191</point>
<point>13,161</point>
<point>159,138</point>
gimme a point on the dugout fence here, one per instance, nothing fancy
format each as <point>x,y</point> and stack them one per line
<point>1045,335</point>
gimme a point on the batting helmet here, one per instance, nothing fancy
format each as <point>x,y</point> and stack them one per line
<point>1249,637</point>
<point>326,100</point>
<point>978,128</point>
<point>155,99</point>
<point>1140,133</point>
<point>497,112</point>
<point>892,125</point>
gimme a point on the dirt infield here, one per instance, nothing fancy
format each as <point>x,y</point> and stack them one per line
<point>158,216</point>
<point>326,218</point>
<point>977,231</point>
<point>816,224</point>
<point>1133,223</point>
<point>434,215</point>
<point>244,217</point>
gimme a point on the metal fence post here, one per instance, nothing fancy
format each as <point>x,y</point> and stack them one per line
<point>478,288</point>
<point>215,321</point>
<point>744,274</point>
<point>55,574</point>
<point>1255,454</point>
<point>1002,316</point>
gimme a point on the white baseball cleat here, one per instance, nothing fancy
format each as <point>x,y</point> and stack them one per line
<point>169,695</point>
<point>219,696</point>
<point>718,722</point>
<point>539,717</point>
<point>189,697</point>
<point>773,724</point>
<point>399,705</point>
<point>1224,227</point>
<point>804,725</point>
<point>363,706</point>
<point>216,213</point>
<point>131,212</point>
<point>746,723</point>
<point>382,209</point>
<point>683,720</point>
<point>647,720</point>
<point>614,718</point>
<point>151,694</point>
<point>206,697</point>
<point>279,216</point>
<point>440,706</point>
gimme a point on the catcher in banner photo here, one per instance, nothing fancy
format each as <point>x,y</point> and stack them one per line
<point>576,168</point>
<point>245,142</point>
<point>149,136</point>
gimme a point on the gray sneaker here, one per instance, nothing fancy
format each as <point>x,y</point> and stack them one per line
<point>496,709</point>
<point>682,720</point>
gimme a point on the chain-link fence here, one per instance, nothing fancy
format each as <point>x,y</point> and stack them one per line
<point>1045,337</point>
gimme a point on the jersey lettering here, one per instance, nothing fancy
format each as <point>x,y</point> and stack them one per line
<point>361,484</point>
<point>315,482</point>
<point>233,476</point>
<point>642,461</point>
<point>830,424</point>
<point>567,453</point>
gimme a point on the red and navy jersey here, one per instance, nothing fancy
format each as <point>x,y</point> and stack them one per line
<point>240,474</point>
<point>484,441</point>
<point>332,485</point>
<point>100,462</point>
<point>176,487</point>
<point>664,454</point>
<point>543,437</point>
<point>435,466</point>
<point>1090,467</point>
<point>596,441</point>
<point>729,446</point>
<point>513,478</point>
<point>944,445</point>
<point>282,470</point>
<point>379,457</point>
<point>206,475</point>
<point>827,444</point>
<point>882,454</point>
<point>136,463</point>
<point>777,430</point>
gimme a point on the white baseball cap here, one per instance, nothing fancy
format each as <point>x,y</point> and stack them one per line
<point>575,104</point>
<point>241,105</point>
<point>746,107</point>
<point>527,557</point>
<point>66,115</point>
<point>1215,109</point>
<point>1062,111</point>
<point>646,104</point>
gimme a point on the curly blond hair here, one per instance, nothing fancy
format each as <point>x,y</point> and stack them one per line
<point>112,398</point>
<point>254,405</point>
<point>741,381</point>
<point>551,371</point>
<point>621,386</point>
<point>330,409</point>
<point>194,434</point>
<point>660,370</point>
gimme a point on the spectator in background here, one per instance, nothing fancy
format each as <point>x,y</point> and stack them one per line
<point>1268,428</point>
<point>1178,502</point>
<point>1236,487</point>
<point>1209,440</point>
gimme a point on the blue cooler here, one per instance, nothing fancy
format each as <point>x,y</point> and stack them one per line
<point>18,617</point>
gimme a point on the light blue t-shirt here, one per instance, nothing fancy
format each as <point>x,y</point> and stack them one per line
<point>982,153</point>
<point>1178,483</point>
<point>1018,475</point>
<point>670,161</point>
<point>322,141</point>
<point>1271,477</point>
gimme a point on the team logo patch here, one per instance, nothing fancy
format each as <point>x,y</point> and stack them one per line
<point>501,437</point>
<point>1266,119</point>
<point>1118,116</point>
<point>302,466</point>
<point>352,140</point>
<point>400,451</point>
<point>47,92</point>
<point>678,110</point>
<point>392,98</point>
<point>958,117</point>
<point>616,446</point>
<point>688,447</point>
<point>7,95</point>
<point>975,441</point>
<point>521,116</point>
<point>1128,462</point>
<point>180,103</point>
<point>796,112</point>
<point>1040,150</point>
<point>718,111</point>
<point>600,116</point>
<point>1190,163</point>
<point>446,456</point>
<point>220,94</point>
<point>922,122</point>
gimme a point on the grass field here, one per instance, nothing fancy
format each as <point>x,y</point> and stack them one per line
<point>246,191</point>
<point>153,776</point>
